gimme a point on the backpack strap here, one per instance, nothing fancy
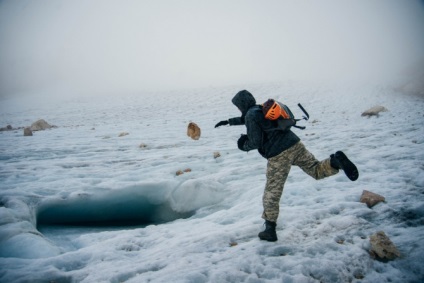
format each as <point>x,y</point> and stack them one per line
<point>299,127</point>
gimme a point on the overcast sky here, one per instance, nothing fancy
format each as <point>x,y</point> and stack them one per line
<point>135,45</point>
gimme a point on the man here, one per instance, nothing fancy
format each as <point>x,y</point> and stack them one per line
<point>282,149</point>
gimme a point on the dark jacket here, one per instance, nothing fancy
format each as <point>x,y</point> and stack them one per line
<point>268,143</point>
<point>243,100</point>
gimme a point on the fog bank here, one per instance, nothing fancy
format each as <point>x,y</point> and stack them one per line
<point>130,46</point>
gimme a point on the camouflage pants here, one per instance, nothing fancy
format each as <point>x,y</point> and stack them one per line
<point>278,169</point>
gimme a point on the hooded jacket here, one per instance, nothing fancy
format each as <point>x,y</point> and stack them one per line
<point>268,143</point>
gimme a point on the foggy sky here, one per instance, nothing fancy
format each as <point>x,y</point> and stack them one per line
<point>100,46</point>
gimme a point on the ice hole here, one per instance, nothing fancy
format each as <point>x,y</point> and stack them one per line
<point>120,208</point>
<point>63,219</point>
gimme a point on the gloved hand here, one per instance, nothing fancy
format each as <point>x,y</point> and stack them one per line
<point>222,123</point>
<point>241,141</point>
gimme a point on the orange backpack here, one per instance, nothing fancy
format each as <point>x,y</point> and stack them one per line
<point>277,111</point>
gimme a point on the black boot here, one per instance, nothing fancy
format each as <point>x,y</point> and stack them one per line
<point>340,161</point>
<point>269,233</point>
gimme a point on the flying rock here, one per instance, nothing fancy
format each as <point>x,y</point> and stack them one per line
<point>193,131</point>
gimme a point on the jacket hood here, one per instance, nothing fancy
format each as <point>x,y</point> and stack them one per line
<point>243,100</point>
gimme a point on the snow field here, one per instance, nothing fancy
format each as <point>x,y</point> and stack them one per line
<point>323,229</point>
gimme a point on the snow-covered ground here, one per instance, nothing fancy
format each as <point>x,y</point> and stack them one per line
<point>202,226</point>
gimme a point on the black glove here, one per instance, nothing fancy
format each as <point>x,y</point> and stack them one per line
<point>241,141</point>
<point>222,123</point>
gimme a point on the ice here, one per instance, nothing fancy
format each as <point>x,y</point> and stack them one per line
<point>76,206</point>
<point>28,246</point>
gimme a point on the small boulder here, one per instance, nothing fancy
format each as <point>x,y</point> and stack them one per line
<point>193,131</point>
<point>371,198</point>
<point>123,134</point>
<point>382,247</point>
<point>7,128</point>
<point>27,132</point>
<point>40,125</point>
<point>374,111</point>
<point>180,172</point>
<point>216,154</point>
